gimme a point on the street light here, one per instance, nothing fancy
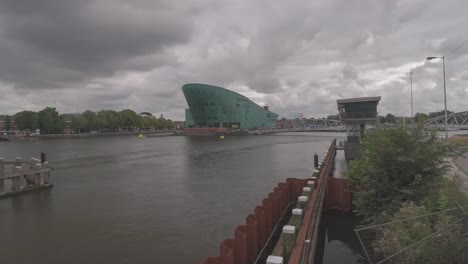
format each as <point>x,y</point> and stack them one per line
<point>445,93</point>
<point>411,85</point>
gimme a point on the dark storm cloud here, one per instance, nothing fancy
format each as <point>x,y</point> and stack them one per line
<point>51,42</point>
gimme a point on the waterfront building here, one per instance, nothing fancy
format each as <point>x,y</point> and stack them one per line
<point>217,107</point>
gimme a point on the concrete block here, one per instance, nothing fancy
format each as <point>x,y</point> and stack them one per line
<point>289,229</point>
<point>297,211</point>
<point>306,189</point>
<point>274,260</point>
<point>302,198</point>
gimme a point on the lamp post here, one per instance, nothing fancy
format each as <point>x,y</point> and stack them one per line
<point>445,93</point>
<point>411,85</point>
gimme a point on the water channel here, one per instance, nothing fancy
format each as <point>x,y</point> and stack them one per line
<point>153,200</point>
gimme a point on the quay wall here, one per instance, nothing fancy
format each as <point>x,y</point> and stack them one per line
<point>251,237</point>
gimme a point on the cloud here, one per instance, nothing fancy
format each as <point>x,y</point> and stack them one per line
<point>295,56</point>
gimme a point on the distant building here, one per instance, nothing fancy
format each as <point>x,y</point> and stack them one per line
<point>179,125</point>
<point>12,123</point>
<point>216,107</point>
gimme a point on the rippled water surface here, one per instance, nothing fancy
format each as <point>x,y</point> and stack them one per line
<point>151,200</point>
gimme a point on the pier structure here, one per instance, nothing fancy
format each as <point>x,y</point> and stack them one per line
<point>20,175</point>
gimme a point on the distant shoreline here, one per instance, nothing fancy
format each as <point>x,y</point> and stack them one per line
<point>90,135</point>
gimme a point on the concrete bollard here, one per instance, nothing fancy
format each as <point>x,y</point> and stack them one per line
<point>307,191</point>
<point>315,172</point>
<point>296,218</point>
<point>289,239</point>
<point>311,185</point>
<point>274,260</point>
<point>302,203</point>
<point>18,161</point>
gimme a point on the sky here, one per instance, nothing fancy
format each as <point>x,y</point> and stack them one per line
<point>296,56</point>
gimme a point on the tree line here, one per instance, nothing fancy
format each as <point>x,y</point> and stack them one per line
<point>50,121</point>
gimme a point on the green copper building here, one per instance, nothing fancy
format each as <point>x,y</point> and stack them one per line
<point>212,106</point>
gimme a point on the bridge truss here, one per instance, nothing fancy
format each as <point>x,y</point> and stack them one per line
<point>454,120</point>
<point>307,124</point>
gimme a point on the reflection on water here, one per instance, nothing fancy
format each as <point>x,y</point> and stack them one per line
<point>337,242</point>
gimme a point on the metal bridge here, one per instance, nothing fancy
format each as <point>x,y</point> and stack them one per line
<point>454,121</point>
<point>303,125</point>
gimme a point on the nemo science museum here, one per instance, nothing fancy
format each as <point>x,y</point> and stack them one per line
<point>215,107</point>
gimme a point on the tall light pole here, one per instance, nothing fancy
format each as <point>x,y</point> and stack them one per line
<point>411,85</point>
<point>445,93</point>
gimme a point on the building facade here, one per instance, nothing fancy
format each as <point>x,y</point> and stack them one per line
<point>212,106</point>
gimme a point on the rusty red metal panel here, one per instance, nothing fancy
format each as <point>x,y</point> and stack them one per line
<point>284,195</point>
<point>274,208</point>
<point>226,251</point>
<point>252,246</point>
<point>211,260</point>
<point>261,234</point>
<point>290,183</point>
<point>240,245</point>
<point>338,195</point>
<point>267,204</point>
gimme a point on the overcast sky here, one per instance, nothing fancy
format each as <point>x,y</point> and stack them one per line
<point>296,56</point>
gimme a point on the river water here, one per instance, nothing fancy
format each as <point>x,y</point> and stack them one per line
<point>150,200</point>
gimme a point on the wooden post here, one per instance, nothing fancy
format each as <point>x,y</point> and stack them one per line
<point>2,174</point>
<point>37,176</point>
<point>16,181</point>
<point>47,173</point>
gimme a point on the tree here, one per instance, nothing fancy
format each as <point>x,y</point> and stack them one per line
<point>27,120</point>
<point>130,119</point>
<point>420,117</point>
<point>439,113</point>
<point>50,122</point>
<point>90,120</point>
<point>59,124</point>
<point>7,122</point>
<point>390,119</point>
<point>396,167</point>
<point>78,123</point>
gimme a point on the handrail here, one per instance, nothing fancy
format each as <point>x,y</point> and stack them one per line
<point>274,230</point>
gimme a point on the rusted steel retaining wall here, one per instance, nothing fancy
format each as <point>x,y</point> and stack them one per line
<point>338,195</point>
<point>250,238</point>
